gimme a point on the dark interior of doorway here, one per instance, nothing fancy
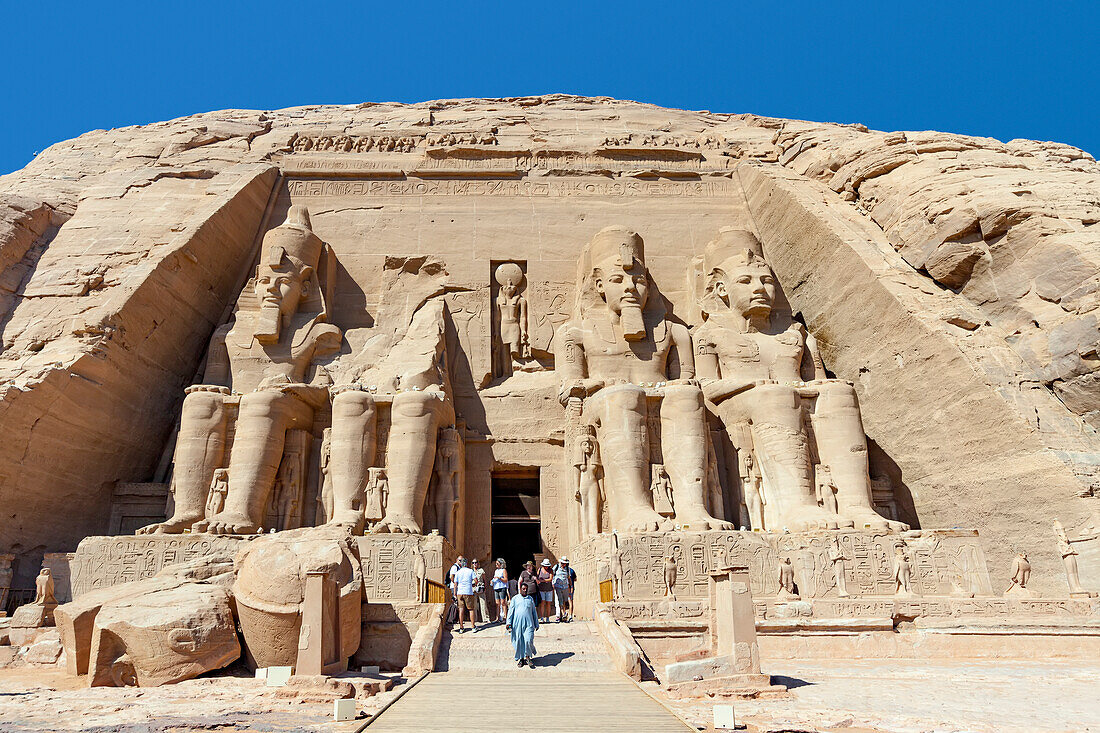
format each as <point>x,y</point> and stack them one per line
<point>516,529</point>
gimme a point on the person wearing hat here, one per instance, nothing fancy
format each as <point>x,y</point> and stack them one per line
<point>564,580</point>
<point>545,579</point>
<point>528,578</point>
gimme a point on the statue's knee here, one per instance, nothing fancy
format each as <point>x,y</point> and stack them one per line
<point>352,405</point>
<point>202,406</point>
<point>775,396</point>
<point>838,394</point>
<point>682,399</point>
<point>262,404</point>
<point>415,405</point>
<point>625,397</point>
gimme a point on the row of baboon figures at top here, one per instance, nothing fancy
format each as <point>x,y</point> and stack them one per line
<point>625,364</point>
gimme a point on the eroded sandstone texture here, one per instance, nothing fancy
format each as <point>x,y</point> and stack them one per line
<point>388,310</point>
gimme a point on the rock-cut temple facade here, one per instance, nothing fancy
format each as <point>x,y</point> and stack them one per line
<point>855,368</point>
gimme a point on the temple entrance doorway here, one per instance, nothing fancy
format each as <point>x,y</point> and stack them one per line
<point>516,526</point>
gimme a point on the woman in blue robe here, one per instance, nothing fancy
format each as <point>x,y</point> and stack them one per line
<point>523,620</point>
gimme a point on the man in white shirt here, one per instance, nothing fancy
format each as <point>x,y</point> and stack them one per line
<point>464,594</point>
<point>453,572</point>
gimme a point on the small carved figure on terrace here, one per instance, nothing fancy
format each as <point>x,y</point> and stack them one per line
<point>787,586</point>
<point>903,573</point>
<point>670,576</point>
<point>43,589</point>
<point>1069,559</point>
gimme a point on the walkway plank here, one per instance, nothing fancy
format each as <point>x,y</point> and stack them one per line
<point>457,702</point>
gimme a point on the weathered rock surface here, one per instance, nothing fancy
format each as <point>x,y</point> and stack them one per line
<point>953,279</point>
<point>82,635</point>
<point>163,636</point>
<point>270,592</point>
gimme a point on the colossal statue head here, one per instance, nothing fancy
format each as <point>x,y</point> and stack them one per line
<point>285,274</point>
<point>617,257</point>
<point>737,274</point>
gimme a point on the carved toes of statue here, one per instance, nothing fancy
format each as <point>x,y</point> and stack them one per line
<point>701,521</point>
<point>819,519</point>
<point>397,524</point>
<point>230,523</point>
<point>172,526</point>
<point>868,519</point>
<point>644,520</point>
<point>352,518</point>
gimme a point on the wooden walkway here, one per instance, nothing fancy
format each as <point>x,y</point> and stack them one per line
<point>457,702</point>
<point>574,688</point>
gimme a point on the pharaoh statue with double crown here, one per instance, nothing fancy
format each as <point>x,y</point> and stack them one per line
<point>764,373</point>
<point>619,355</point>
<point>268,356</point>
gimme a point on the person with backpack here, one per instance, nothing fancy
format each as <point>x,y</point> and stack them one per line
<point>464,593</point>
<point>565,578</point>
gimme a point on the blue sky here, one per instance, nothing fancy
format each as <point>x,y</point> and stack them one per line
<point>1005,69</point>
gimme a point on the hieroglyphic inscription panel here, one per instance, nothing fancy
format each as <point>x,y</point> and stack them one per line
<point>102,562</point>
<point>389,564</point>
<point>944,562</point>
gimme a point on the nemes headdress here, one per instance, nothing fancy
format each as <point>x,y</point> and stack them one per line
<point>619,245</point>
<point>294,239</point>
<point>732,247</point>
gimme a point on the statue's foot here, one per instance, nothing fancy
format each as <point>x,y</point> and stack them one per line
<point>644,519</point>
<point>397,524</point>
<point>811,518</point>
<point>701,521</point>
<point>175,525</point>
<point>865,518</point>
<point>230,523</point>
<point>348,518</point>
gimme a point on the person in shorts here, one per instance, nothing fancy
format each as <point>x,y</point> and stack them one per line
<point>500,588</point>
<point>464,593</point>
<point>545,579</point>
<point>565,578</point>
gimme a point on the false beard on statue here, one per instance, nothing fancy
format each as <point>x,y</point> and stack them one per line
<point>630,318</point>
<point>267,327</point>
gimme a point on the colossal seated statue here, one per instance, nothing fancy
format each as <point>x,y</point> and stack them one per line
<point>400,362</point>
<point>266,356</point>
<point>619,350</point>
<point>760,375</point>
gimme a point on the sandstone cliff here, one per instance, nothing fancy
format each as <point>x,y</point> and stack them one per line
<point>953,279</point>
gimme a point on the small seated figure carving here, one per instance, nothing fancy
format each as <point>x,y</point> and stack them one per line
<point>752,373</point>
